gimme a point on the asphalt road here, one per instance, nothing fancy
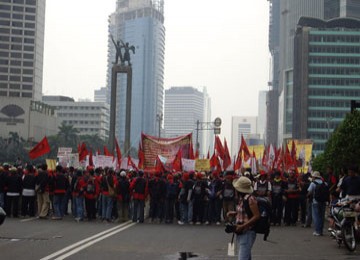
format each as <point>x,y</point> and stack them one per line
<point>66,239</point>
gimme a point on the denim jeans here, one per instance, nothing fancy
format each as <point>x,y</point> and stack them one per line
<point>138,211</point>
<point>79,206</point>
<point>318,215</point>
<point>2,200</point>
<point>59,205</point>
<point>245,241</point>
<point>107,205</point>
<point>184,212</point>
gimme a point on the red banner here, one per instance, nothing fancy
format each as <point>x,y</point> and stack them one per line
<point>166,147</point>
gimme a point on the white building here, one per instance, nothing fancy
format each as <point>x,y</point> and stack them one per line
<point>246,126</point>
<point>261,123</point>
<point>89,118</point>
<point>184,107</point>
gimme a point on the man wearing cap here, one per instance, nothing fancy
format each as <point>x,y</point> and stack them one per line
<point>247,213</point>
<point>123,197</point>
<point>318,207</point>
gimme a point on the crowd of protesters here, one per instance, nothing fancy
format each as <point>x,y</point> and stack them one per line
<point>184,197</point>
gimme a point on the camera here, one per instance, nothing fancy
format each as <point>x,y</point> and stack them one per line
<point>230,228</point>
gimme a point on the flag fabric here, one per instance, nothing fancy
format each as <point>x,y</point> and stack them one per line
<point>227,158</point>
<point>253,164</point>
<point>141,157</point>
<point>208,154</point>
<point>191,151</point>
<point>176,165</point>
<point>91,162</point>
<point>40,149</point>
<point>238,161</point>
<point>245,149</point>
<point>132,164</point>
<point>159,166</point>
<point>106,151</point>
<point>213,160</point>
<point>219,147</point>
<point>302,157</point>
<point>118,152</point>
<point>83,152</point>
<point>293,151</point>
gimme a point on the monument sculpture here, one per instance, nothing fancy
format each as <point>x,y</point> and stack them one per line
<point>119,45</point>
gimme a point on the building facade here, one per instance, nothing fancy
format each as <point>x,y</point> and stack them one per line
<point>102,95</point>
<point>326,76</point>
<point>245,126</point>
<point>184,107</point>
<point>261,124</point>
<point>22,24</point>
<point>141,24</point>
<point>89,118</point>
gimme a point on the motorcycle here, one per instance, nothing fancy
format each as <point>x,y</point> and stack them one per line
<point>345,223</point>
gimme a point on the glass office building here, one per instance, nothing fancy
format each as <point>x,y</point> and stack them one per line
<point>21,48</point>
<point>326,76</point>
<point>141,24</point>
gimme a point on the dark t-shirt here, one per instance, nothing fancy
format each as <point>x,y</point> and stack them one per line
<point>351,185</point>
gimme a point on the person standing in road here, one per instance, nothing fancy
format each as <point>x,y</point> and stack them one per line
<point>247,213</point>
<point>139,188</point>
<point>318,206</point>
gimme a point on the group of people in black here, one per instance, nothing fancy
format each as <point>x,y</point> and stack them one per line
<point>121,195</point>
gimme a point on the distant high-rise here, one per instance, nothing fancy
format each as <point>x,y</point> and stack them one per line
<point>341,8</point>
<point>184,106</point>
<point>326,76</point>
<point>261,114</point>
<point>245,126</point>
<point>22,24</point>
<point>102,95</point>
<point>140,23</point>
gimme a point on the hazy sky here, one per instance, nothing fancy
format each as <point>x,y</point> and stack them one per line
<point>222,45</point>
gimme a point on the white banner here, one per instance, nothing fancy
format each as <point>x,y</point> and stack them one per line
<point>103,161</point>
<point>188,165</point>
<point>62,151</point>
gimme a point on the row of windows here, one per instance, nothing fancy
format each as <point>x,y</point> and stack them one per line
<point>15,24</point>
<point>81,122</point>
<point>28,2</point>
<point>334,82</point>
<point>334,49</point>
<point>16,63</point>
<point>334,92</point>
<point>16,94</point>
<point>16,71</point>
<point>17,16</point>
<point>15,78</point>
<point>6,46</point>
<point>335,38</point>
<point>322,125</point>
<point>333,60</point>
<point>328,103</point>
<point>321,114</point>
<point>79,115</point>
<point>18,55</point>
<point>15,86</point>
<point>334,71</point>
<point>17,39</point>
<point>15,31</point>
<point>78,108</point>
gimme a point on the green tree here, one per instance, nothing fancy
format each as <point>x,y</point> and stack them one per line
<point>68,135</point>
<point>343,146</point>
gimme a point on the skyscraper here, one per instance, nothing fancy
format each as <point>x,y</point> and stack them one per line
<point>184,106</point>
<point>326,76</point>
<point>341,8</point>
<point>140,23</point>
<point>22,24</point>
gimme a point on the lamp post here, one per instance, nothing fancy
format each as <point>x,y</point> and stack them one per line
<point>207,126</point>
<point>159,118</point>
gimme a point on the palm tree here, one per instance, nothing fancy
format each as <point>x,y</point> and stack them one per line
<point>68,135</point>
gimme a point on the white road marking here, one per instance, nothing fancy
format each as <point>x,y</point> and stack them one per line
<point>74,251</point>
<point>85,241</point>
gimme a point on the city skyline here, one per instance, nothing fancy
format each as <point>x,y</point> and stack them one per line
<point>228,55</point>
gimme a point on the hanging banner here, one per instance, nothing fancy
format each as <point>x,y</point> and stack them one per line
<point>202,165</point>
<point>166,147</point>
<point>188,165</point>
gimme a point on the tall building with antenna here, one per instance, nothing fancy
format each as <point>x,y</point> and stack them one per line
<point>141,24</point>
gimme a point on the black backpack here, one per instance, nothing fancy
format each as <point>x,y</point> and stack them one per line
<point>262,226</point>
<point>321,193</point>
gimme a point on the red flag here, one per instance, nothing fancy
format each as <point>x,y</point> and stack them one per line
<point>40,149</point>
<point>131,163</point>
<point>159,167</point>
<point>106,151</point>
<point>176,165</point>
<point>208,155</point>
<point>83,152</point>
<point>238,161</point>
<point>141,157</point>
<point>213,160</point>
<point>91,163</point>
<point>287,159</point>
<point>191,151</point>
<point>245,148</point>
<point>219,147</point>
<point>227,158</point>
<point>118,152</point>
<point>98,152</point>
<point>293,150</point>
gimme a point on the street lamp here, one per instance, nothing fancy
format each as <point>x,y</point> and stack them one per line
<point>159,118</point>
<point>207,126</point>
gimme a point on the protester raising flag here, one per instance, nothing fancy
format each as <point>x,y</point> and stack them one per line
<point>40,149</point>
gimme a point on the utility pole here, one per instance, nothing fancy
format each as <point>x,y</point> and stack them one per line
<point>159,117</point>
